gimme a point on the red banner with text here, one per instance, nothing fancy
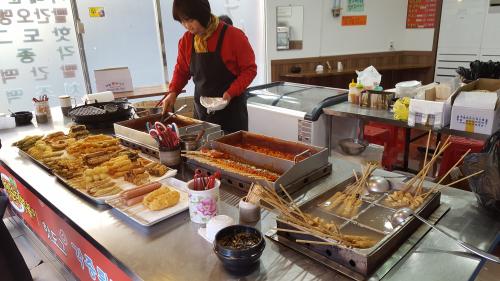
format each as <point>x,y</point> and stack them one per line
<point>80,256</point>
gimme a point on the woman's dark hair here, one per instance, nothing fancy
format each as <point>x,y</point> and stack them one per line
<point>226,19</point>
<point>192,10</point>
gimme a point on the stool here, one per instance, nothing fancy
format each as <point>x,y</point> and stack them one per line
<point>457,148</point>
<point>387,136</point>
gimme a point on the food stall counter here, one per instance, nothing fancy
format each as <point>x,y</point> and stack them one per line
<point>99,242</point>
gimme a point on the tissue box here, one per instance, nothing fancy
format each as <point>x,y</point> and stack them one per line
<point>475,111</point>
<point>431,113</point>
<point>116,79</point>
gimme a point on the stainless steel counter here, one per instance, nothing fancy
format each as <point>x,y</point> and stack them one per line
<point>172,250</point>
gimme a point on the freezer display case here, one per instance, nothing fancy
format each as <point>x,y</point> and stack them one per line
<point>292,111</point>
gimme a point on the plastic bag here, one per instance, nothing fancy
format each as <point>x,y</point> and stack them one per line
<point>401,109</point>
<point>213,104</point>
<point>369,77</point>
<point>486,186</point>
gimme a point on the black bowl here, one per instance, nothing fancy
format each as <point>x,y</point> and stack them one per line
<point>22,117</point>
<point>239,260</point>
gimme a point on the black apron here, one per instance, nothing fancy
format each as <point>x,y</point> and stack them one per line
<point>211,79</point>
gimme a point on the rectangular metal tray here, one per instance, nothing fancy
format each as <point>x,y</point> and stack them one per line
<point>294,175</point>
<point>133,132</point>
<point>369,221</point>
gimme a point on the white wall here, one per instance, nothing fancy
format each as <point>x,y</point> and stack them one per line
<point>324,35</point>
<point>247,15</point>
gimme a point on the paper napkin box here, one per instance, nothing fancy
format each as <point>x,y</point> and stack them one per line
<point>116,79</point>
<point>431,113</point>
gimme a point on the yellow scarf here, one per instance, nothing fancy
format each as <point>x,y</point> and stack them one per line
<point>200,41</point>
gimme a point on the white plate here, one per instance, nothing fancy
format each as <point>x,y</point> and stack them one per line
<point>143,216</point>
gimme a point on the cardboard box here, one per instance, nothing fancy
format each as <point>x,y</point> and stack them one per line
<point>430,113</point>
<point>116,79</point>
<point>477,111</point>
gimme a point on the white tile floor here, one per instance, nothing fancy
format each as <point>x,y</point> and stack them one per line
<point>42,263</point>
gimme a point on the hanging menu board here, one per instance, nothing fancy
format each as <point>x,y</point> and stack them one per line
<point>39,53</point>
<point>421,14</point>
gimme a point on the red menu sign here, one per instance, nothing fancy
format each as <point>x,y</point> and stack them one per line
<point>421,14</point>
<point>80,256</point>
<point>353,20</point>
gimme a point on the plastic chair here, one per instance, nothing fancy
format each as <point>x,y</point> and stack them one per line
<point>387,136</point>
<point>459,145</point>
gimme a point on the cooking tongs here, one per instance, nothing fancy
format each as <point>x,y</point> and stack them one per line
<point>165,117</point>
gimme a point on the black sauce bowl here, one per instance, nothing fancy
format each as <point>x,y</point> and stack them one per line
<point>22,117</point>
<point>239,261</point>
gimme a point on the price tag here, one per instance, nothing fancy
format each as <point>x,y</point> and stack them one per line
<point>469,126</point>
<point>96,12</point>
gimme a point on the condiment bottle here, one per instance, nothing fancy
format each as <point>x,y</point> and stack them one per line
<point>359,89</point>
<point>352,91</point>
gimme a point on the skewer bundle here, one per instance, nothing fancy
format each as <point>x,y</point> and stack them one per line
<point>413,194</point>
<point>307,224</point>
<point>349,200</point>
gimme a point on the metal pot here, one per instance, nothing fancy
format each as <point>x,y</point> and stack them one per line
<point>353,146</point>
<point>22,117</point>
<point>190,142</point>
<point>146,108</point>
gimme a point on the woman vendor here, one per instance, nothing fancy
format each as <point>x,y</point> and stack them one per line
<point>220,60</point>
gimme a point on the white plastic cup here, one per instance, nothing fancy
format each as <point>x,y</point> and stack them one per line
<point>320,68</point>
<point>203,204</point>
<point>65,103</point>
<point>249,212</point>
<point>340,67</point>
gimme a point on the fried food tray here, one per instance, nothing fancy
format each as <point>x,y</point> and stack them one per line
<point>371,220</point>
<point>310,163</point>
<point>124,185</point>
<point>133,132</point>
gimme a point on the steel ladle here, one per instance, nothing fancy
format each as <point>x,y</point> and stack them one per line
<point>378,184</point>
<point>402,214</point>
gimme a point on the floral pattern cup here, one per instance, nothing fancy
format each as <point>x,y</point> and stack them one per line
<point>203,204</point>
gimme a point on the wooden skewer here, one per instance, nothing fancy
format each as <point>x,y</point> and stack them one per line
<point>292,203</point>
<point>449,171</point>
<point>316,242</point>
<point>464,178</point>
<point>291,230</point>
<point>355,175</point>
<point>426,169</point>
<point>410,183</point>
<point>427,147</point>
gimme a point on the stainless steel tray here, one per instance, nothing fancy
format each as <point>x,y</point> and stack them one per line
<point>133,132</point>
<point>294,175</point>
<point>369,221</point>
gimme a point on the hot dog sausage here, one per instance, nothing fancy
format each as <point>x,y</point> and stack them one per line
<point>141,190</point>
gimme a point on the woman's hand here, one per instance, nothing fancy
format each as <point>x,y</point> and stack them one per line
<point>169,102</point>
<point>227,97</point>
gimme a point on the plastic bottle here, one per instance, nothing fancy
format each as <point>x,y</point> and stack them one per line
<point>352,91</point>
<point>359,89</point>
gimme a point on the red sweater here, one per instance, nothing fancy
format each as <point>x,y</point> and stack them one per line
<point>236,53</point>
